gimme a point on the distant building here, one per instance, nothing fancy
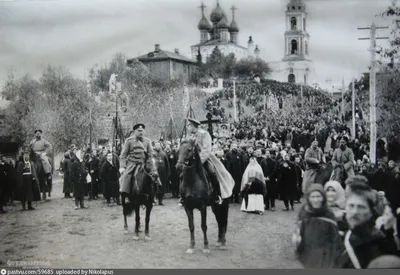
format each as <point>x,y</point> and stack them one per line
<point>167,65</point>
<point>296,65</point>
<point>222,35</point>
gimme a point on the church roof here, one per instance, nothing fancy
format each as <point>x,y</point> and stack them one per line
<point>163,55</point>
<point>296,5</point>
<point>234,27</point>
<point>204,24</point>
<point>217,14</point>
<point>217,42</point>
<point>223,24</point>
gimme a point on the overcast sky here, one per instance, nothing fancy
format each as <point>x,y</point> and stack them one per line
<point>80,33</point>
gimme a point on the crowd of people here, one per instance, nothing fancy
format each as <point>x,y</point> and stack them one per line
<point>349,207</point>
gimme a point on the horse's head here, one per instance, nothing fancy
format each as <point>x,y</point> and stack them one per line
<point>186,154</point>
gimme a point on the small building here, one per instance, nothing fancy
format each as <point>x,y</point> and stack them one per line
<point>165,64</point>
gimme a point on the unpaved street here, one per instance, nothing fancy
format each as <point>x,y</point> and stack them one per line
<point>58,234</point>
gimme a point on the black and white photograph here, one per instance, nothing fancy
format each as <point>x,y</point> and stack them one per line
<point>199,134</point>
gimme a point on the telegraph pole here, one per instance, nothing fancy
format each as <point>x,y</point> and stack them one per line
<point>353,99</point>
<point>372,87</point>
<point>343,90</point>
<point>234,101</point>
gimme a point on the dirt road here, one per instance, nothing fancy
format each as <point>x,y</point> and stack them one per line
<point>62,237</point>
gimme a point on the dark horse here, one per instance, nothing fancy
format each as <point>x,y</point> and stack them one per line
<point>195,194</point>
<point>45,180</point>
<point>142,194</point>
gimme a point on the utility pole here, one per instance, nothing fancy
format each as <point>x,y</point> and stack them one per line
<point>372,87</point>
<point>234,100</point>
<point>343,91</point>
<point>353,107</point>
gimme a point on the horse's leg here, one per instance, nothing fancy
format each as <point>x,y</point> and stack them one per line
<point>137,218</point>
<point>215,210</point>
<point>148,212</point>
<point>189,213</point>
<point>123,197</point>
<point>204,226</point>
<point>49,181</point>
<point>224,222</point>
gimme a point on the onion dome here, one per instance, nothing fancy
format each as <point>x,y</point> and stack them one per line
<point>204,25</point>
<point>234,27</point>
<point>217,14</point>
<point>257,50</point>
<point>223,24</point>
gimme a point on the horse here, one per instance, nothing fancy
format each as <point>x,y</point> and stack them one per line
<point>195,194</point>
<point>45,180</point>
<point>142,194</point>
<point>324,174</point>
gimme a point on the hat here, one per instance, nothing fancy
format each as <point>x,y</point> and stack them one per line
<point>72,147</point>
<point>38,130</point>
<point>139,126</point>
<point>194,121</point>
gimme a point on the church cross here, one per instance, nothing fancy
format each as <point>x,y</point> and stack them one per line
<point>202,7</point>
<point>233,12</point>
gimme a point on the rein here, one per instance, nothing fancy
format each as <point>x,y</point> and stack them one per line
<point>186,162</point>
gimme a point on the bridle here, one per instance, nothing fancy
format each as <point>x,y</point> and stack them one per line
<point>187,161</point>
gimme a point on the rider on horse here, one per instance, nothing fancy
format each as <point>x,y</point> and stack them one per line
<point>42,148</point>
<point>221,182</point>
<point>133,155</point>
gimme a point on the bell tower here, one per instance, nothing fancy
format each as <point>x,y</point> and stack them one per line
<point>297,55</point>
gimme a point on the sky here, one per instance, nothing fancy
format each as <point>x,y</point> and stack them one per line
<point>78,34</point>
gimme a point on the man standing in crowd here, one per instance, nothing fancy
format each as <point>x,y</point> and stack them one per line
<point>110,177</point>
<point>163,170</point>
<point>93,166</point>
<point>173,159</point>
<point>269,167</point>
<point>235,166</point>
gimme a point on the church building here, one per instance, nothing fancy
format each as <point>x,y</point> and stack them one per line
<point>221,34</point>
<point>296,65</point>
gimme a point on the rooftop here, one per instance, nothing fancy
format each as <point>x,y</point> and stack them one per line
<point>159,54</point>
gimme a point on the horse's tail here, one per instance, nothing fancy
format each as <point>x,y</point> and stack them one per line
<point>127,206</point>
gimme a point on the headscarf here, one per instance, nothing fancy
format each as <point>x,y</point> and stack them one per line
<point>307,211</point>
<point>253,170</point>
<point>340,198</point>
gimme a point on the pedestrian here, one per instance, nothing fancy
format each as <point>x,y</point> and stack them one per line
<point>78,178</point>
<point>110,177</point>
<point>66,167</point>
<point>269,167</point>
<point>28,189</point>
<point>317,239</point>
<point>363,241</point>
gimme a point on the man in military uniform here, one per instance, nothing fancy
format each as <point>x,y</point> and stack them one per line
<point>342,162</point>
<point>221,182</point>
<point>133,155</point>
<point>43,148</point>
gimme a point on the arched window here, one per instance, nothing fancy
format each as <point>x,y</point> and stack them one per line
<point>304,24</point>
<point>293,23</point>
<point>293,45</point>
<point>306,46</point>
<point>291,78</point>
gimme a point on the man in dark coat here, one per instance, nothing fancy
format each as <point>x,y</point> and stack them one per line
<point>269,167</point>
<point>173,159</point>
<point>66,167</point>
<point>110,177</point>
<point>287,182</point>
<point>4,183</point>
<point>78,178</point>
<point>163,170</point>
<point>93,166</point>
<point>28,188</point>
<point>235,168</point>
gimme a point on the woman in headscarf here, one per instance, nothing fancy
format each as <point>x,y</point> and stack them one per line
<point>317,238</point>
<point>336,201</point>
<point>253,187</point>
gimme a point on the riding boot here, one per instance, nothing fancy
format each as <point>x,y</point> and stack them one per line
<point>30,206</point>
<point>81,203</point>
<point>23,205</point>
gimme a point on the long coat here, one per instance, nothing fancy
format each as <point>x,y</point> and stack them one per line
<point>343,163</point>
<point>287,181</point>
<point>78,178</point>
<point>67,186</point>
<point>235,168</point>
<point>173,160</point>
<point>110,177</point>
<point>269,167</point>
<point>163,170</point>
<point>27,188</point>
